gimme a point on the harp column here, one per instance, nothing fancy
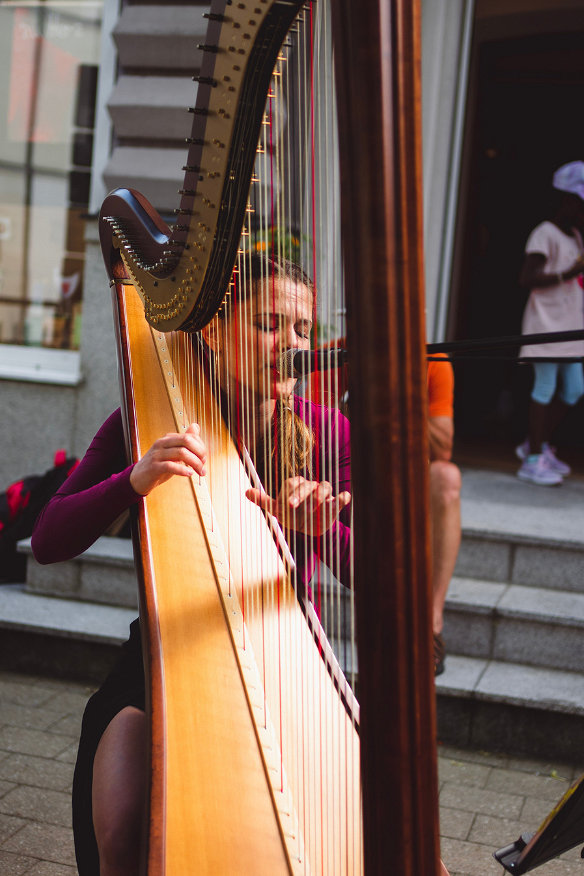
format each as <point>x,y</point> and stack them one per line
<point>377,57</point>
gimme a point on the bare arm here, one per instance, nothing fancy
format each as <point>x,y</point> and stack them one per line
<point>533,275</point>
<point>441,435</point>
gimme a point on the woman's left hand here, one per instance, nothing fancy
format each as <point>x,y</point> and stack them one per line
<point>303,505</point>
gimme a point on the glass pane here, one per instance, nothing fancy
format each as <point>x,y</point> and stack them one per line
<point>49,56</point>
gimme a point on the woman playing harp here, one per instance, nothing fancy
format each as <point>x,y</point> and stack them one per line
<point>301,454</point>
<point>379,149</point>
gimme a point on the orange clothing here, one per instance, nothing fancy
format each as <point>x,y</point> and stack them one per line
<point>328,387</point>
<point>440,389</point>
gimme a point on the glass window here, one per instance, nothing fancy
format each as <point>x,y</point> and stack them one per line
<point>49,56</point>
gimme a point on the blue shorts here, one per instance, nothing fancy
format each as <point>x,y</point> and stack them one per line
<point>546,378</point>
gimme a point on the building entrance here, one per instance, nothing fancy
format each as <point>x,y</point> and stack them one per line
<point>527,121</point>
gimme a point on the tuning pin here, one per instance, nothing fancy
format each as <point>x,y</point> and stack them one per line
<point>205,80</point>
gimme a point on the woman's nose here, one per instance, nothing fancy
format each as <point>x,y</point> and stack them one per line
<point>290,337</point>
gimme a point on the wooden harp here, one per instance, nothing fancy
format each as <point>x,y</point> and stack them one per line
<point>257,742</point>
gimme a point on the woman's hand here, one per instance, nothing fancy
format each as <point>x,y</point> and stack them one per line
<point>175,454</point>
<point>303,506</point>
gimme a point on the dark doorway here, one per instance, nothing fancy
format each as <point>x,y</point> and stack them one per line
<point>528,122</point>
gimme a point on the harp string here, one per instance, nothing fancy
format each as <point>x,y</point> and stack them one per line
<point>315,530</point>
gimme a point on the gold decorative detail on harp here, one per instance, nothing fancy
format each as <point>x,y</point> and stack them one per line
<point>183,275</point>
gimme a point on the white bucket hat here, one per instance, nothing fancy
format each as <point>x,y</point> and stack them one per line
<point>570,178</point>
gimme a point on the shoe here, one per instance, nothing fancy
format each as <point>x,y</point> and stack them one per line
<point>522,452</point>
<point>554,463</point>
<point>536,470</point>
<point>439,654</point>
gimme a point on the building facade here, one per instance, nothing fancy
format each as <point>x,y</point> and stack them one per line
<point>94,96</point>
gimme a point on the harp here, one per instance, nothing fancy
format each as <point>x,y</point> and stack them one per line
<point>261,759</point>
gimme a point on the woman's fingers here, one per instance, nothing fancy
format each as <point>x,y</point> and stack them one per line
<point>298,494</point>
<point>303,505</point>
<point>343,499</point>
<point>300,490</point>
<point>261,498</point>
<point>183,454</point>
<point>190,439</point>
<point>173,454</point>
<point>309,506</point>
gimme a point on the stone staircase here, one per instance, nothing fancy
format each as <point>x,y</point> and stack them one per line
<point>514,620</point>
<point>104,573</point>
<point>157,55</point>
<point>70,619</point>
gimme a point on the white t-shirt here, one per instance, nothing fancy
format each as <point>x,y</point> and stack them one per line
<point>555,308</point>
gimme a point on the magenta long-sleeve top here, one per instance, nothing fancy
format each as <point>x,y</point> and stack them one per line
<point>99,490</point>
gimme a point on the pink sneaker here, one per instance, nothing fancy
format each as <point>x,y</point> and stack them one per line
<point>538,471</point>
<point>522,452</point>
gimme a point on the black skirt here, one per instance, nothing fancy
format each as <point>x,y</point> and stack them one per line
<point>123,687</point>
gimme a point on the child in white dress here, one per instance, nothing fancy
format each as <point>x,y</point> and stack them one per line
<point>554,262</point>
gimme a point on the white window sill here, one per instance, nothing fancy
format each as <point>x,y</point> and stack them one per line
<point>40,365</point>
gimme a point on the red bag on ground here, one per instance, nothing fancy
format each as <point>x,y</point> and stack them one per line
<point>20,506</point>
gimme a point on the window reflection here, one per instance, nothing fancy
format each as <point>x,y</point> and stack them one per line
<point>49,54</point>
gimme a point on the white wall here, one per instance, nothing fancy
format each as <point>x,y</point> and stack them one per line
<point>446,38</point>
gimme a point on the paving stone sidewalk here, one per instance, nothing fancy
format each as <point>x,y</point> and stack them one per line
<point>40,721</point>
<point>487,800</point>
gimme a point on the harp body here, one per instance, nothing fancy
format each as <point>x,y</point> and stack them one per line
<point>236,777</point>
<point>258,761</point>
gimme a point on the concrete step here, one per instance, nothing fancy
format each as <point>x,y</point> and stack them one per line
<point>59,637</point>
<point>154,172</point>
<point>102,574</point>
<point>520,533</point>
<point>152,107</point>
<point>510,622</point>
<point>161,36</point>
<point>503,706</point>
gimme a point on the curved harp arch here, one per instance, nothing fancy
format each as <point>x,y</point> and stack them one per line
<point>255,732</point>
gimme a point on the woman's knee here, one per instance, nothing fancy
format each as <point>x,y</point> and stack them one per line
<point>445,481</point>
<point>119,780</point>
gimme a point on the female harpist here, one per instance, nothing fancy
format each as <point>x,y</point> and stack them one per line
<point>300,452</point>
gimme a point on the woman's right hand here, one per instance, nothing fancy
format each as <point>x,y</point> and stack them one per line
<point>174,454</point>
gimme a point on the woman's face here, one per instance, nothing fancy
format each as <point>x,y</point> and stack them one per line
<point>273,319</point>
